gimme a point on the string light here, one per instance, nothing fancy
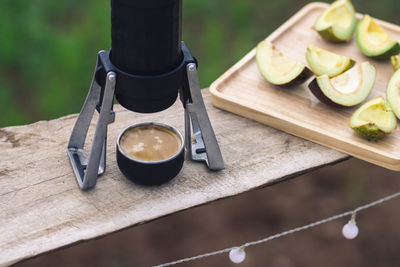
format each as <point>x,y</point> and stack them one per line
<point>238,255</point>
<point>350,229</point>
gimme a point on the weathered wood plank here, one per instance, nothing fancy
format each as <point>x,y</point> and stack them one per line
<point>41,207</point>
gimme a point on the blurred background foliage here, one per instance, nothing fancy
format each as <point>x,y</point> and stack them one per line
<point>48,48</point>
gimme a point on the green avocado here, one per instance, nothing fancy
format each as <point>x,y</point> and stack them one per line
<point>374,41</point>
<point>393,93</point>
<point>277,68</point>
<point>322,61</point>
<point>347,89</point>
<point>336,23</point>
<point>370,132</point>
<point>395,60</point>
<point>373,120</point>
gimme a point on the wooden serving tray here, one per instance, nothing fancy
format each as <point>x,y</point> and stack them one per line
<point>242,90</point>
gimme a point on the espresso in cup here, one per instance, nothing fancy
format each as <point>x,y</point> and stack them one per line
<point>150,143</point>
<point>150,153</point>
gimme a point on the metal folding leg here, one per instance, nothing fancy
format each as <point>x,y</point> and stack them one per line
<point>206,147</point>
<point>87,170</point>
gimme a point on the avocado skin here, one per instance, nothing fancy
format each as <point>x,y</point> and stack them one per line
<point>316,91</point>
<point>328,35</point>
<point>304,75</point>
<point>370,132</point>
<point>392,51</point>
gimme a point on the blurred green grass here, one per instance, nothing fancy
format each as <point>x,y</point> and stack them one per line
<point>48,48</point>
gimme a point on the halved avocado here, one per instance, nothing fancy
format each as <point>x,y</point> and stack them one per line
<point>347,89</point>
<point>322,61</point>
<point>393,93</point>
<point>374,41</point>
<point>373,120</point>
<point>277,68</point>
<point>336,23</point>
<point>395,60</point>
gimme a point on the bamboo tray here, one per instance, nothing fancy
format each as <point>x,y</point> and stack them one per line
<point>242,90</point>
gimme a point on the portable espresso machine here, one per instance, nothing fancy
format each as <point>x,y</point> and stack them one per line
<point>145,69</point>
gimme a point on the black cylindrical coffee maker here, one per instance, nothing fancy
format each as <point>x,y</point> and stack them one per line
<point>146,35</point>
<point>146,40</point>
<point>145,69</point>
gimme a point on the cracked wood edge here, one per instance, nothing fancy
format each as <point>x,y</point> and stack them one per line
<point>42,208</point>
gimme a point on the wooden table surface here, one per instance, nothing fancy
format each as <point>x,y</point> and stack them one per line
<point>42,208</point>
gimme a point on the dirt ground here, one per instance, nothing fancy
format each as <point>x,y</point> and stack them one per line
<point>258,214</point>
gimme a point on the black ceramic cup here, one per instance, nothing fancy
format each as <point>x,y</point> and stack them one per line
<point>150,172</point>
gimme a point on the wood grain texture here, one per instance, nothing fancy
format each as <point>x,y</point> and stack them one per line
<point>242,90</point>
<point>42,209</point>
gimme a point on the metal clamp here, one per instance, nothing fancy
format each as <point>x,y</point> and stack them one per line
<point>87,170</point>
<point>206,147</point>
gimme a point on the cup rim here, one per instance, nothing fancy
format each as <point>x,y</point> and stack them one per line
<point>173,129</point>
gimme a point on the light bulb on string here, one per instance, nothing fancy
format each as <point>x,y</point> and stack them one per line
<point>350,229</point>
<point>237,255</point>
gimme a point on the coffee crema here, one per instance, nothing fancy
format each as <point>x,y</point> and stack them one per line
<point>150,143</point>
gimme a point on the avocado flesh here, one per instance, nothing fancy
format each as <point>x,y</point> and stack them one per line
<point>393,93</point>
<point>374,41</point>
<point>322,62</point>
<point>337,22</point>
<point>373,120</point>
<point>277,68</point>
<point>395,60</point>
<point>348,89</point>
